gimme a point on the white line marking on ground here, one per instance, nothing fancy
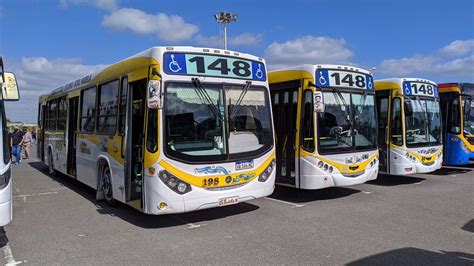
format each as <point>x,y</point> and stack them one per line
<point>190,225</point>
<point>417,183</point>
<point>37,194</point>
<point>366,192</point>
<point>7,251</point>
<point>293,205</point>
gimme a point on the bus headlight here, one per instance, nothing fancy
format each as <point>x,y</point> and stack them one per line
<point>267,172</point>
<point>5,178</point>
<point>174,183</point>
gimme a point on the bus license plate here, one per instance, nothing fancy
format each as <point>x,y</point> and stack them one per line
<point>228,201</point>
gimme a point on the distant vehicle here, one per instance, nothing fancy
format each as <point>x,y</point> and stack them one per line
<point>410,137</point>
<point>457,108</point>
<point>9,92</point>
<point>169,130</point>
<point>325,126</point>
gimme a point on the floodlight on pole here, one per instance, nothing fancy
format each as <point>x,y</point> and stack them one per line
<point>224,18</point>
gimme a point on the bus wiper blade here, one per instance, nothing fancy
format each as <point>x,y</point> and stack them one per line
<point>337,93</point>
<point>240,99</point>
<point>202,93</point>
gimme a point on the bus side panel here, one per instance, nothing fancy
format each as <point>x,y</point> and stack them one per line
<point>86,160</point>
<point>457,152</point>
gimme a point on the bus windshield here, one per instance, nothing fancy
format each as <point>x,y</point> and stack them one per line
<point>348,123</point>
<point>423,126</point>
<point>216,121</point>
<point>468,105</point>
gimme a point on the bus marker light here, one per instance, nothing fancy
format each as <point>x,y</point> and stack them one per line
<point>151,170</point>
<point>408,169</point>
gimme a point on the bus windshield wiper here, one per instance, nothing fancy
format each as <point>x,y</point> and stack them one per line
<point>204,97</point>
<point>338,95</point>
<point>234,110</point>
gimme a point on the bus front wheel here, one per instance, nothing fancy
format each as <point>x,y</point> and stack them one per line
<point>107,186</point>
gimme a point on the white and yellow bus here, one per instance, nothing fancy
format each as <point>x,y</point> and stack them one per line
<point>325,126</point>
<point>168,130</point>
<point>410,133</point>
<point>9,92</point>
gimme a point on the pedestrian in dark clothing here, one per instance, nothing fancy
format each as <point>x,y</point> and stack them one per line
<point>16,141</point>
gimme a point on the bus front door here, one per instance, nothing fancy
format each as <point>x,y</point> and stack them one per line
<point>382,108</point>
<point>135,141</point>
<point>73,112</point>
<point>285,107</point>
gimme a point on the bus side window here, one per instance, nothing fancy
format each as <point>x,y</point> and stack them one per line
<point>108,105</point>
<point>123,105</point>
<point>307,127</point>
<point>88,109</point>
<point>397,135</point>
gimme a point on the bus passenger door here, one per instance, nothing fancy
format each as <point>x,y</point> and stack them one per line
<point>382,110</point>
<point>71,134</point>
<point>40,132</point>
<point>285,107</point>
<point>136,104</point>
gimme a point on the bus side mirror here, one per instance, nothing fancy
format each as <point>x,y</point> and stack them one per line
<point>318,102</point>
<point>408,108</point>
<point>154,95</point>
<point>9,87</point>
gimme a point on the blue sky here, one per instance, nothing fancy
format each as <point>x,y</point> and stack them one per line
<point>49,42</point>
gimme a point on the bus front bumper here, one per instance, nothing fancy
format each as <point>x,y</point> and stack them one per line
<point>336,180</point>
<point>199,198</point>
<point>415,168</point>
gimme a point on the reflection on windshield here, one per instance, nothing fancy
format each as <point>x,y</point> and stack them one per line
<point>211,122</point>
<point>423,127</point>
<point>337,133</point>
<point>468,104</point>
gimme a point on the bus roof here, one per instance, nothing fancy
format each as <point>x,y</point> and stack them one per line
<point>312,68</point>
<point>149,56</point>
<point>397,83</point>
<point>461,87</point>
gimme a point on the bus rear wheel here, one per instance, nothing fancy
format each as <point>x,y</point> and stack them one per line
<point>107,186</point>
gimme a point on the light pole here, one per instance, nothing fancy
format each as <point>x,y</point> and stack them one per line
<point>225,18</point>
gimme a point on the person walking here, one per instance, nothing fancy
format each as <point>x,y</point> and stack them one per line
<point>27,141</point>
<point>16,141</point>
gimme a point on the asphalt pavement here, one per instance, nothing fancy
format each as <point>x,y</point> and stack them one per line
<point>423,219</point>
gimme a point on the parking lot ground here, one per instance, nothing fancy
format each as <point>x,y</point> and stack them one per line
<point>419,219</point>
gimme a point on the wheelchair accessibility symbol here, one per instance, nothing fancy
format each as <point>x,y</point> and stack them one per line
<point>174,66</point>
<point>369,84</point>
<point>259,73</point>
<point>322,80</point>
<point>407,89</point>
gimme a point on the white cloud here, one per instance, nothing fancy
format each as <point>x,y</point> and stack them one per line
<point>458,48</point>
<point>170,28</point>
<point>244,39</point>
<point>37,76</point>
<point>308,50</point>
<point>102,4</point>
<point>455,60</point>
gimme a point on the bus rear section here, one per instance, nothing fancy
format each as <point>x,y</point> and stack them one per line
<point>457,109</point>
<point>410,130</point>
<point>325,126</point>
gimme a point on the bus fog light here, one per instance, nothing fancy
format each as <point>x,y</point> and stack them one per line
<point>162,206</point>
<point>182,187</point>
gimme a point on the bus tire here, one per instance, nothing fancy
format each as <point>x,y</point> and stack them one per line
<point>51,170</point>
<point>106,186</point>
